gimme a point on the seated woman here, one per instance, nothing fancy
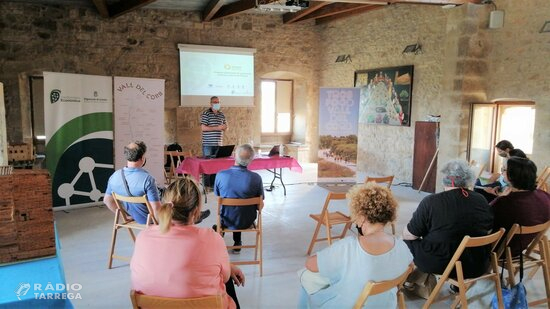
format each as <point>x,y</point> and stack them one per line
<point>179,260</point>
<point>335,277</point>
<point>443,219</point>
<point>496,185</point>
<point>524,204</point>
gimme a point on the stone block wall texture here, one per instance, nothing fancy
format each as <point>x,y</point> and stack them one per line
<point>143,43</point>
<point>519,64</point>
<point>462,62</point>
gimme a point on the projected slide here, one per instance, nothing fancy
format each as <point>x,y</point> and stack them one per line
<point>216,71</point>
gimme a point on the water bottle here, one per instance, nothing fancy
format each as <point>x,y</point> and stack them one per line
<point>281,150</point>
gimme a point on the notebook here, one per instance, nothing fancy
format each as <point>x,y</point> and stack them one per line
<point>225,151</point>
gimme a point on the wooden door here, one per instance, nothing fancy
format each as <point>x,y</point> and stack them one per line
<point>425,146</point>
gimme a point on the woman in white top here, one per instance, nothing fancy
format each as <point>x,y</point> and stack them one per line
<point>335,277</point>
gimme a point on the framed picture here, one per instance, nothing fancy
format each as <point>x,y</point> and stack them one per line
<point>545,27</point>
<point>385,95</point>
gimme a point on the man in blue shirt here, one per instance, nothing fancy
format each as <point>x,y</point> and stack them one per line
<point>138,180</point>
<point>239,182</point>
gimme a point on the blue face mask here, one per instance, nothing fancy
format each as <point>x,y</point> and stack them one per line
<point>216,106</point>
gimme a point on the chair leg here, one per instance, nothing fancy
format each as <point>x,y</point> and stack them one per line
<point>544,254</point>
<point>113,240</point>
<point>314,238</point>
<point>132,235</point>
<point>498,287</point>
<point>434,293</point>
<point>261,255</point>
<point>461,286</point>
<point>400,299</point>
<point>329,234</point>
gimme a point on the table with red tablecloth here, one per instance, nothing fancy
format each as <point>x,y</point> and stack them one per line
<point>275,164</point>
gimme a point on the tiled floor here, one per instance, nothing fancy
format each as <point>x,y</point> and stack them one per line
<point>85,236</point>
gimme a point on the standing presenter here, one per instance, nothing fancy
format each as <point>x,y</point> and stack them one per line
<point>213,124</point>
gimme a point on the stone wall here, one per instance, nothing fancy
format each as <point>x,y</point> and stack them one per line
<point>462,62</point>
<point>519,64</point>
<point>376,40</point>
<point>143,43</point>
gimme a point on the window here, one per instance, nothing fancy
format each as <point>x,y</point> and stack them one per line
<point>276,106</point>
<point>492,122</point>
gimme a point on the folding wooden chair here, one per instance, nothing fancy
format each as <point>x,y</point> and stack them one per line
<point>464,284</point>
<point>255,228</point>
<point>329,219</point>
<point>174,158</point>
<point>148,301</point>
<point>373,288</point>
<point>123,220</point>
<point>536,255</point>
<point>543,177</point>
<point>388,180</point>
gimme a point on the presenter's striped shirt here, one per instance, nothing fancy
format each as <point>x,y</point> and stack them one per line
<point>211,119</point>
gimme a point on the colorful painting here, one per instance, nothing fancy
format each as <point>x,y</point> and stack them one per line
<point>385,95</point>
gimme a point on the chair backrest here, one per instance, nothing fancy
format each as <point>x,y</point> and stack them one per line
<point>388,180</point>
<point>516,229</point>
<point>373,288</point>
<point>134,200</point>
<point>332,196</point>
<point>543,177</point>
<point>241,202</point>
<point>154,302</point>
<point>470,242</point>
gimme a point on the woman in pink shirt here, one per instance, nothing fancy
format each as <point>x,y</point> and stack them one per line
<point>178,259</point>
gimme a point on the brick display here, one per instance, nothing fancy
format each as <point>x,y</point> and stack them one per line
<point>26,216</point>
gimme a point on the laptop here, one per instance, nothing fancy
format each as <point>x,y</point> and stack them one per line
<point>225,151</point>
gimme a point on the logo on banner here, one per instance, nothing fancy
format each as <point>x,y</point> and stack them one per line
<point>55,95</point>
<point>96,98</point>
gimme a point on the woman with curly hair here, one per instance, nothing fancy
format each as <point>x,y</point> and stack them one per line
<point>180,260</point>
<point>336,275</point>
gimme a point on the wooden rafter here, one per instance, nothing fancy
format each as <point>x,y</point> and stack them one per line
<point>436,2</point>
<point>334,9</point>
<point>313,6</point>
<point>327,19</point>
<point>211,9</point>
<point>123,7</point>
<point>234,8</point>
<point>102,7</point>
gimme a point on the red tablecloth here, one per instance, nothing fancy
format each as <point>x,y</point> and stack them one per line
<point>197,166</point>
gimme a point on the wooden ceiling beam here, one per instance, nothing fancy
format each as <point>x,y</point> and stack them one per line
<point>102,8</point>
<point>334,9</point>
<point>313,6</point>
<point>383,2</point>
<point>327,19</point>
<point>211,9</point>
<point>234,8</point>
<point>126,6</point>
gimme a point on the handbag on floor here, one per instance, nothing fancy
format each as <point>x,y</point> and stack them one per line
<point>516,296</point>
<point>422,283</point>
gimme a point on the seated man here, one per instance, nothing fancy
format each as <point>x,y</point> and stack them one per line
<point>133,180</point>
<point>239,182</point>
